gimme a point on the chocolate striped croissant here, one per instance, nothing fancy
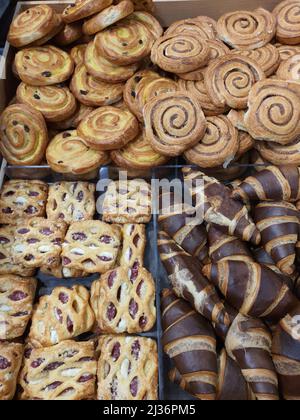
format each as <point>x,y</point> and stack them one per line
<point>189,340</point>
<point>184,273</point>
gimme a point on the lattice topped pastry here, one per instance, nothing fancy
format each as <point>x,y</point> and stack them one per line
<point>134,244</point>
<point>66,371</point>
<point>61,272</point>
<point>10,362</point>
<point>127,368</point>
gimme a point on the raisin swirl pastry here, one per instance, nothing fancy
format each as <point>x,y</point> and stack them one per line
<point>174,123</point>
<point>288,22</point>
<point>218,146</point>
<point>11,355</point>
<point>149,21</point>
<point>200,28</point>
<point>43,66</point>
<point>69,153</point>
<point>23,135</point>
<point>229,79</point>
<point>276,153</point>
<point>54,102</point>
<point>290,69</point>
<point>84,8</point>
<point>287,51</point>
<point>71,32</point>
<point>247,30</point>
<point>77,53</point>
<point>93,92</point>
<point>274,111</point>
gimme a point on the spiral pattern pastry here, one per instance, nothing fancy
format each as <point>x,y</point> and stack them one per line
<point>267,57</point>
<point>149,21</point>
<point>174,122</point>
<point>108,128</point>
<point>71,32</point>
<point>54,102</point>
<point>125,43</point>
<point>77,53</point>
<point>277,154</point>
<point>68,153</point>
<point>84,8</point>
<point>43,66</point>
<point>287,51</point>
<point>246,143</point>
<point>103,69</point>
<point>290,69</point>
<point>23,135</point>
<point>93,92</point>
<point>81,112</point>
<point>247,30</point>
<point>238,119</point>
<point>274,111</point>
<point>58,27</point>
<point>287,14</point>
<point>229,79</point>
<point>197,27</point>
<point>180,53</point>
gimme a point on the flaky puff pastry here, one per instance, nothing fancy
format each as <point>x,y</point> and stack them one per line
<point>84,8</point>
<point>10,362</point>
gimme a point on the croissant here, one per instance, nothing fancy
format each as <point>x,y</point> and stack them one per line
<point>189,340</point>
<point>184,272</point>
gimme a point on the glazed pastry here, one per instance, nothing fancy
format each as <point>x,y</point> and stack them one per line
<point>267,57</point>
<point>274,111</point>
<point>61,272</point>
<point>127,368</point>
<point>43,66</point>
<point>23,135</point>
<point>20,200</point>
<point>230,78</point>
<point>81,112</point>
<point>127,202</point>
<point>289,69</point>
<point>92,92</point>
<point>134,244</point>
<point>77,53</point>
<point>287,51</point>
<point>149,21</point>
<point>11,359</point>
<point>123,301</point>
<point>71,32</point>
<point>288,22</point>
<point>54,102</point>
<point>84,8</point>
<point>174,122</point>
<point>108,128</point>
<point>71,201</point>
<point>219,145</point>
<point>66,371</point>
<point>38,242</point>
<point>69,153</point>
<point>180,53</point>
<point>108,17</point>
<point>277,154</point>
<point>247,30</point>
<point>200,28</point>
<point>91,246</point>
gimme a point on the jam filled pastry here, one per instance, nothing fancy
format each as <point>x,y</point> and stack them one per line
<point>61,272</point>
<point>84,8</point>
<point>134,244</point>
<point>10,362</point>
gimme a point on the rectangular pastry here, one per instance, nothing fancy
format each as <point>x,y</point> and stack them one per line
<point>16,301</point>
<point>91,246</point>
<point>127,202</point>
<point>71,201</point>
<point>10,362</point>
<point>134,244</point>
<point>39,242</point>
<point>123,300</point>
<point>61,272</point>
<point>64,314</point>
<point>66,371</point>
<point>20,199</point>
<point>127,368</point>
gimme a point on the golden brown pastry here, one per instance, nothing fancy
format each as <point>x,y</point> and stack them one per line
<point>198,27</point>
<point>108,128</point>
<point>77,53</point>
<point>278,154</point>
<point>146,5</point>
<point>69,153</point>
<point>287,15</point>
<point>247,30</point>
<point>287,51</point>
<point>174,122</point>
<point>290,69</point>
<point>58,27</point>
<point>23,135</point>
<point>246,143</point>
<point>81,112</point>
<point>238,119</point>
<point>43,66</point>
<point>54,102</point>
<point>11,355</point>
<point>93,92</point>
<point>70,33</point>
<point>149,21</point>
<point>84,8</point>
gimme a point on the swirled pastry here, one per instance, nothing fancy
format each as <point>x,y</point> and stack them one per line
<point>149,21</point>
<point>277,154</point>
<point>93,92</point>
<point>247,30</point>
<point>42,66</point>
<point>54,102</point>
<point>246,143</point>
<point>267,57</point>
<point>229,79</point>
<point>290,69</point>
<point>81,112</point>
<point>180,53</point>
<point>287,51</point>
<point>58,27</point>
<point>11,355</point>
<point>69,153</point>
<point>103,69</point>
<point>144,5</point>
<point>287,14</point>
<point>196,27</point>
<point>219,144</point>
<point>23,135</point>
<point>108,128</point>
<point>70,33</point>
<point>238,119</point>
<point>77,53</point>
<point>274,111</point>
<point>84,8</point>
<point>174,122</point>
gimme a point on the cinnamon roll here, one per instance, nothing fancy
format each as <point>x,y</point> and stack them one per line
<point>278,154</point>
<point>290,69</point>
<point>71,32</point>
<point>77,53</point>
<point>287,51</point>
<point>267,57</point>
<point>287,14</point>
<point>197,27</point>
<point>84,8</point>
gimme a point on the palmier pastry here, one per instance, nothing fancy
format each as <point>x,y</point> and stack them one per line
<point>103,69</point>
<point>287,51</point>
<point>69,153</point>
<point>77,53</point>
<point>93,92</point>
<point>70,33</point>
<point>43,66</point>
<point>125,43</point>
<point>277,154</point>
<point>287,14</point>
<point>218,146</point>
<point>149,21</point>
<point>81,112</point>
<point>267,57</point>
<point>84,8</point>
<point>108,17</point>
<point>198,28</point>
<point>274,111</point>
<point>229,79</point>
<point>180,53</point>
<point>174,122</point>
<point>23,135</point>
<point>290,69</point>
<point>247,30</point>
<point>54,102</point>
<point>108,128</point>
